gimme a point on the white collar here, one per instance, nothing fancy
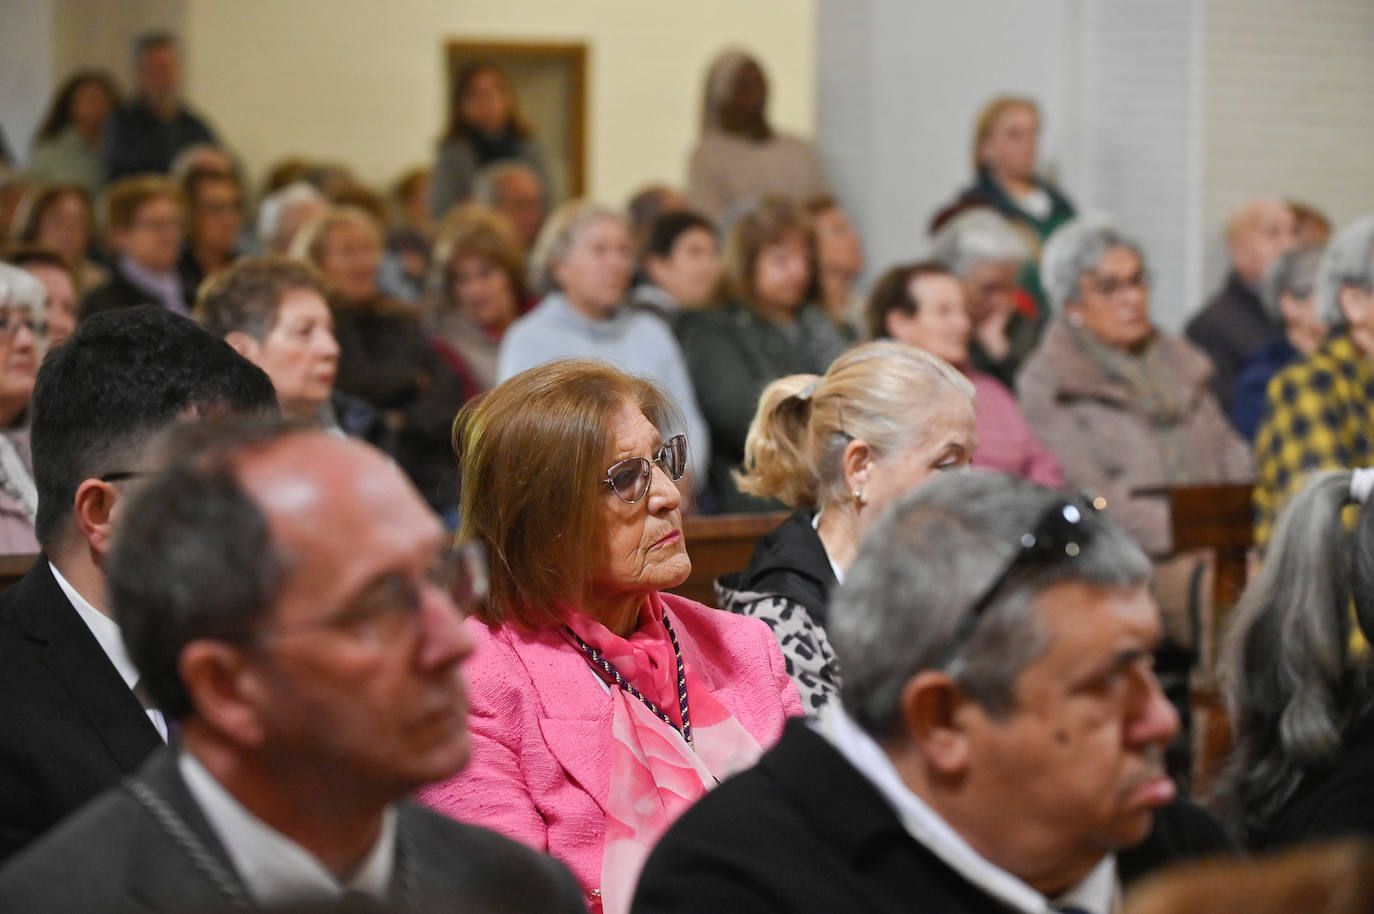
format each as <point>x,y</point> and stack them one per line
<point>275,869</point>
<point>1097,893</point>
<point>105,630</point>
<point>111,641</point>
<point>816,525</point>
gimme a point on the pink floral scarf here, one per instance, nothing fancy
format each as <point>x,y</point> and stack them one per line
<point>655,774</point>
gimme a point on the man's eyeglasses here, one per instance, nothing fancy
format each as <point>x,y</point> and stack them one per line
<point>1059,535</point>
<point>390,606</point>
<point>1112,286</point>
<point>629,479</point>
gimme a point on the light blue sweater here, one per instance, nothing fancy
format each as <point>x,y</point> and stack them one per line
<point>633,341</point>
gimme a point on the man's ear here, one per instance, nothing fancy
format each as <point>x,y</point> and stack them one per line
<point>931,703</point>
<point>92,508</point>
<point>225,689</point>
<point>243,344</point>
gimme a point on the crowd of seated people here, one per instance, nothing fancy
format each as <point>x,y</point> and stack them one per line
<point>561,383</point>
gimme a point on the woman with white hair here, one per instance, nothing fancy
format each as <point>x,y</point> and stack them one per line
<point>581,265</point>
<point>22,305</point>
<point>1126,406</point>
<point>993,261</point>
<point>1300,698</point>
<point>1319,412</point>
<point>740,155</point>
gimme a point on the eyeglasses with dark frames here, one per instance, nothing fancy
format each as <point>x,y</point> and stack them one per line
<point>391,604</point>
<point>629,479</point>
<point>121,475</point>
<point>1059,535</point>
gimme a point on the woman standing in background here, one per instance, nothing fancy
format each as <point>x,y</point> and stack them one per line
<point>485,126</point>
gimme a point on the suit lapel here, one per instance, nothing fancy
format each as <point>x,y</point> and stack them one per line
<point>73,656</point>
<point>175,879</point>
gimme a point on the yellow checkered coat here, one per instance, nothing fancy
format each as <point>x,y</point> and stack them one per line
<point>1318,415</point>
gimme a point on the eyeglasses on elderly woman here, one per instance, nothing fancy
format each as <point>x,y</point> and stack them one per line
<point>629,479</point>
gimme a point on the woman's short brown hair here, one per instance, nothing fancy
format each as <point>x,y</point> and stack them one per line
<point>123,199</point>
<point>247,296</point>
<point>532,454</point>
<point>769,222</point>
<point>892,292</point>
<point>474,229</point>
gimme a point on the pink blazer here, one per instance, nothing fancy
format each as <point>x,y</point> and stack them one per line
<point>540,723</point>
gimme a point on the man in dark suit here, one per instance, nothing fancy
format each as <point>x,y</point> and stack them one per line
<point>293,603</point>
<point>1000,734</point>
<point>72,723</point>
<point>147,133</point>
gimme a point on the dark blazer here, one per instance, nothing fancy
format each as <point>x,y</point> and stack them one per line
<point>120,292</point>
<point>1230,328</point>
<point>804,831</point>
<point>136,140</point>
<point>146,847</point>
<point>70,726</point>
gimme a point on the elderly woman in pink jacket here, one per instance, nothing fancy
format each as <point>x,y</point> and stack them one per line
<point>602,707</point>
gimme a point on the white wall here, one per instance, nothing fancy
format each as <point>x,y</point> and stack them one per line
<point>363,81</point>
<point>901,83</point>
<point>26,65</point>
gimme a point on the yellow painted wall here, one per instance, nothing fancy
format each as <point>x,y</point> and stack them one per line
<point>363,80</point>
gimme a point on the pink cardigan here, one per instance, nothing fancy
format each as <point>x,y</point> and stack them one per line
<point>541,726</point>
<point>1006,442</point>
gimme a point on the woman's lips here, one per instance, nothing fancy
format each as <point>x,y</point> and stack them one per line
<point>673,537</point>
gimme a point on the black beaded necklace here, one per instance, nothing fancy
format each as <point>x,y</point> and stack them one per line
<point>602,665</point>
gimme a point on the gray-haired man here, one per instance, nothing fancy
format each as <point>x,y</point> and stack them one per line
<point>1000,737</point>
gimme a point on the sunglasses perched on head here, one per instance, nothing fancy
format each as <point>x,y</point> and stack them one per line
<point>1059,535</point>
<point>629,479</point>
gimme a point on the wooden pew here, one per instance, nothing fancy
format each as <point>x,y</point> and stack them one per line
<point>14,567</point>
<point>719,545</point>
<point>1218,518</point>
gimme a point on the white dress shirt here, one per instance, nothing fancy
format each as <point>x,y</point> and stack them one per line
<point>275,869</point>
<point>1097,893</point>
<point>111,641</point>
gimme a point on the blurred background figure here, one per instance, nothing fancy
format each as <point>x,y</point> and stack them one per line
<point>409,235</point>
<point>582,266</point>
<point>147,133</point>
<point>145,223</point>
<point>1334,878</point>
<point>1234,323</point>
<point>680,266</point>
<point>765,329</point>
<point>1299,694</point>
<point>59,217</point>
<point>59,283</point>
<point>839,261</point>
<point>923,305</point>
<point>1123,404</point>
<point>21,328</point>
<point>485,126</point>
<point>740,155</point>
<point>384,356</point>
<point>644,209</point>
<point>1319,411</point>
<point>214,224</point>
<point>838,449</point>
<point>989,257</point>
<point>67,146</point>
<point>1006,136</point>
<point>476,291</point>
<point>284,212</point>
<point>201,157</point>
<point>518,192</point>
<point>1288,296</point>
<point>272,311</point>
